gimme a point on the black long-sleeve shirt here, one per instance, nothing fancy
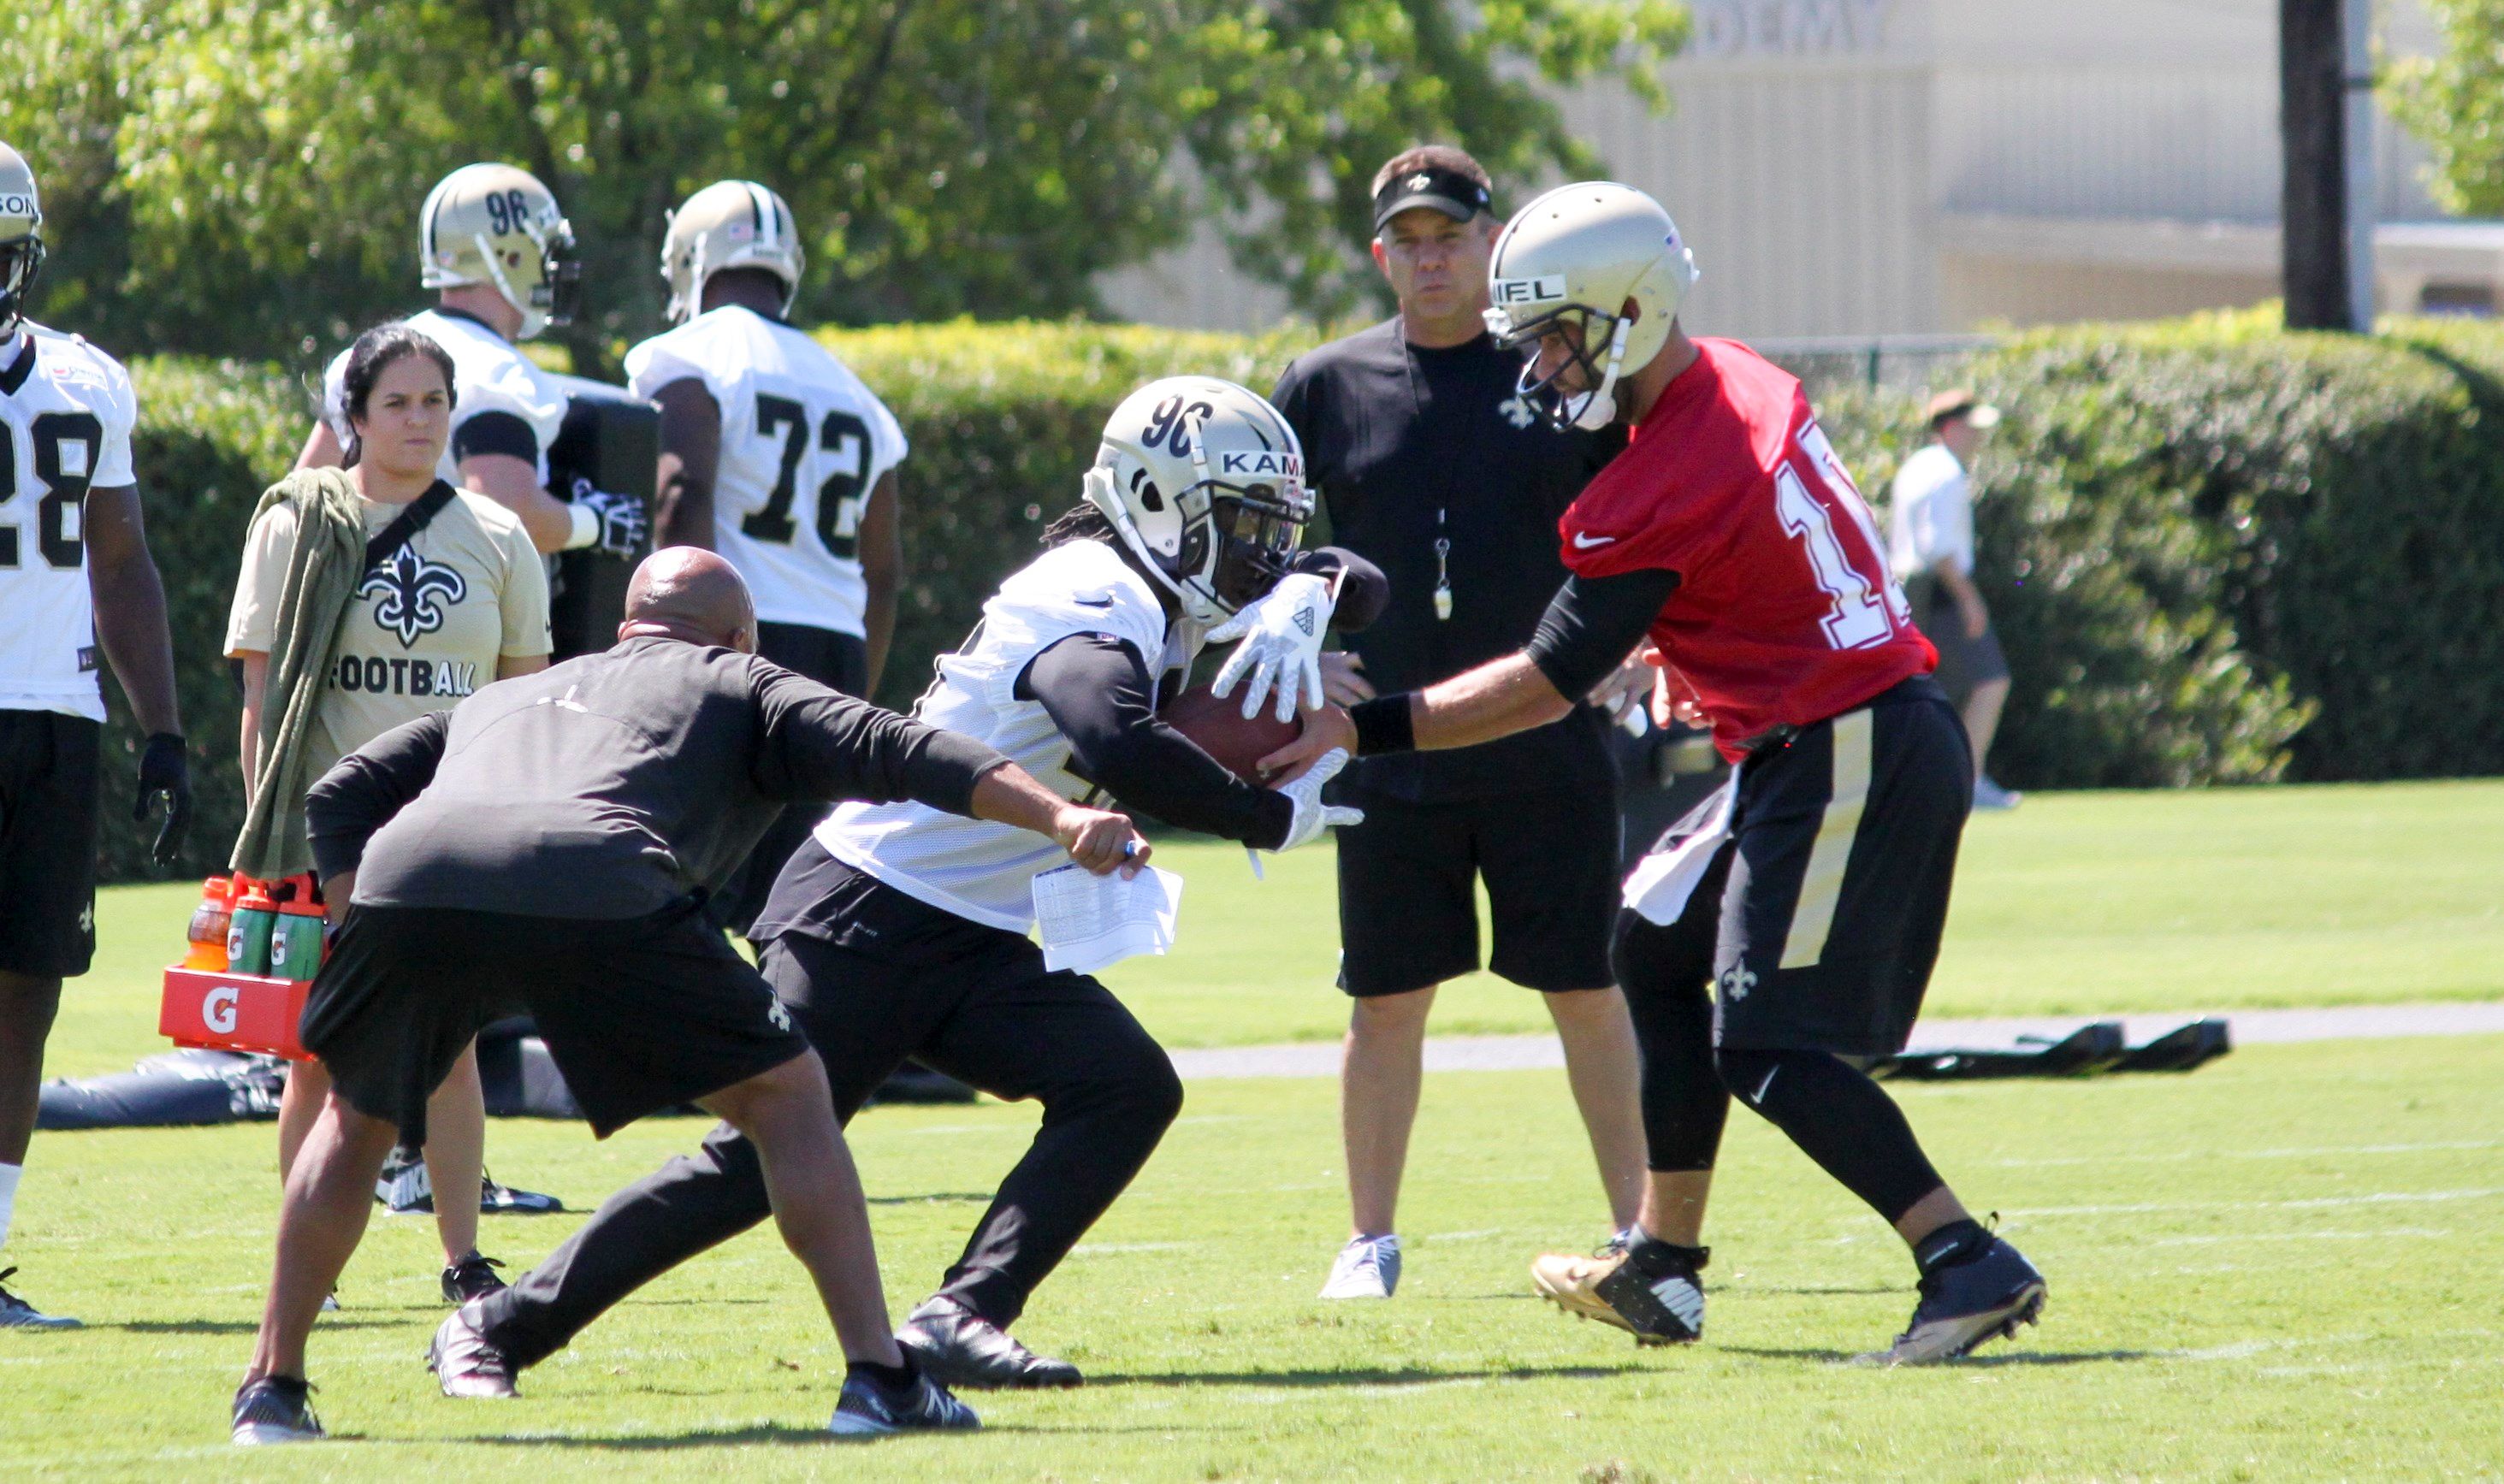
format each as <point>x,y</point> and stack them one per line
<point>616,784</point>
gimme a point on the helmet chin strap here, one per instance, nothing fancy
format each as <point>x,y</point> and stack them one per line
<point>1098,483</point>
<point>1598,407</point>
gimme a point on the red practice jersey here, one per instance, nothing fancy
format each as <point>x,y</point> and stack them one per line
<point>1785,612</point>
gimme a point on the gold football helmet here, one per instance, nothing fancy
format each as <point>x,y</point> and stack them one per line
<point>497,225</point>
<point>728,224</point>
<point>22,244</point>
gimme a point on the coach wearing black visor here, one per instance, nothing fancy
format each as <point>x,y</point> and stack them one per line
<point>1432,467</point>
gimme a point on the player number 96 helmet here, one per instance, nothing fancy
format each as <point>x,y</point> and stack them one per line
<point>1572,259</point>
<point>22,243</point>
<point>728,224</point>
<point>488,223</point>
<point>1206,483</point>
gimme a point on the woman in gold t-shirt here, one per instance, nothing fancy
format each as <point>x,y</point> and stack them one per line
<point>464,603</point>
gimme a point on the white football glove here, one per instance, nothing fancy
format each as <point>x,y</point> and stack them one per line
<point>1282,646</point>
<point>624,522</point>
<point>1312,815</point>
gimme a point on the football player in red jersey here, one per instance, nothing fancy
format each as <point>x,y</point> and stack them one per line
<point>1811,891</point>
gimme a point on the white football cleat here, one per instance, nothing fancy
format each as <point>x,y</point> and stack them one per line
<point>1366,1268</point>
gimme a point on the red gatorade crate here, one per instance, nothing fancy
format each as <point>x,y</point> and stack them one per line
<point>233,1012</point>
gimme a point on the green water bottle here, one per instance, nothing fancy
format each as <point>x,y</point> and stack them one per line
<point>248,932</point>
<point>296,942</point>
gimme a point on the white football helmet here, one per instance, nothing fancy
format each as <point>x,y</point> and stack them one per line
<point>22,242</point>
<point>1206,483</point>
<point>489,224</point>
<point>728,224</point>
<point>1575,255</point>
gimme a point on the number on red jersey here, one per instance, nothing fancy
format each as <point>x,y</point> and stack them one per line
<point>1867,603</point>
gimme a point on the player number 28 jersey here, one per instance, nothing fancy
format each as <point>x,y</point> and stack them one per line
<point>66,411</point>
<point>978,870</point>
<point>1785,612</point>
<point>803,444</point>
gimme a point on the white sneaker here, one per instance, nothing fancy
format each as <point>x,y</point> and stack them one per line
<point>1991,796</point>
<point>1366,1268</point>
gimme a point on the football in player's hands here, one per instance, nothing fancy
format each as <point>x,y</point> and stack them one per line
<point>1218,726</point>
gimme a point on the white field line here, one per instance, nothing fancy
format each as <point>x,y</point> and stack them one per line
<point>2307,1203</point>
<point>1538,1053</point>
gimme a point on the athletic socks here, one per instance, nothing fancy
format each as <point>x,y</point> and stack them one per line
<point>1951,1246</point>
<point>1654,1258</point>
<point>1840,1118</point>
<point>10,1175</point>
<point>894,1380</point>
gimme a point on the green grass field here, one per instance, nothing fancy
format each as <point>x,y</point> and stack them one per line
<point>2283,1265</point>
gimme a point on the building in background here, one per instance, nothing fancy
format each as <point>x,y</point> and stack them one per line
<point>1895,168</point>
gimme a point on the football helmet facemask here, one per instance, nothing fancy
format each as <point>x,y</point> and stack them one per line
<point>496,225</point>
<point>728,224</point>
<point>1572,259</point>
<point>1205,482</point>
<point>22,242</point>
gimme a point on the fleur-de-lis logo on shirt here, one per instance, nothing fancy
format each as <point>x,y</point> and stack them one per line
<point>410,594</point>
<point>1516,411</point>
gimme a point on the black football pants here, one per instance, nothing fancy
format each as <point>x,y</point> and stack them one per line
<point>971,1001</point>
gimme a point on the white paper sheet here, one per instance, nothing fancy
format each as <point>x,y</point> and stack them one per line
<point>1090,921</point>
<point>1658,886</point>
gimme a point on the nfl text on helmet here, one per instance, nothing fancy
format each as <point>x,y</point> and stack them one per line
<point>1573,256</point>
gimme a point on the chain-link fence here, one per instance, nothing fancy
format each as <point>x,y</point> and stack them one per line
<point>1906,363</point>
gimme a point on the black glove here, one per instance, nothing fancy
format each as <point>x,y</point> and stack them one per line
<point>623,523</point>
<point>165,770</point>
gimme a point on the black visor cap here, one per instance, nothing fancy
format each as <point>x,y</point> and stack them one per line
<point>1449,192</point>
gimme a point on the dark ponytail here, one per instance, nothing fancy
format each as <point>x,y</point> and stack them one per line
<point>374,352</point>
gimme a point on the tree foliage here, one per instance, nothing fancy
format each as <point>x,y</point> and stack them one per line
<point>241,179</point>
<point>2454,101</point>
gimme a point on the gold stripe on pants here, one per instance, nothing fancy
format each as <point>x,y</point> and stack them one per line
<point>1822,885</point>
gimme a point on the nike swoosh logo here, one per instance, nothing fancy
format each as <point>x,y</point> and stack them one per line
<point>1583,543</point>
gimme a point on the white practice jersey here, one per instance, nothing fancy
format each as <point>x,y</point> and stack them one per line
<point>488,375</point>
<point>803,444</point>
<point>66,410</point>
<point>981,871</point>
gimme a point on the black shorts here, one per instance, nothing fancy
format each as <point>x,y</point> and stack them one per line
<point>47,824</point>
<point>838,662</point>
<point>1408,910</point>
<point>641,1014</point>
<point>1833,890</point>
<point>1965,663</point>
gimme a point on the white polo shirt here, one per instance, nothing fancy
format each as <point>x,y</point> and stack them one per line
<point>1932,515</point>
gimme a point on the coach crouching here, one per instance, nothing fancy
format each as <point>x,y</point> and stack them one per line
<point>548,847</point>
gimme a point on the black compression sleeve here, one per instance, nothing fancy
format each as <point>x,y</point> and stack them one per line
<point>495,432</point>
<point>1592,622</point>
<point>1096,688</point>
<point>1363,592</point>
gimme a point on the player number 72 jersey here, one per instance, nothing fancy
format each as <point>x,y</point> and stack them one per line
<point>804,442</point>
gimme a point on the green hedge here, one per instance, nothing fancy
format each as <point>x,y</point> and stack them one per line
<point>2217,553</point>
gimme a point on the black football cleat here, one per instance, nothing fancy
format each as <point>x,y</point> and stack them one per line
<point>17,1313</point>
<point>275,1409</point>
<point>472,1277</point>
<point>1975,1288</point>
<point>1652,1290</point>
<point>959,1347</point>
<point>467,1364</point>
<point>869,1409</point>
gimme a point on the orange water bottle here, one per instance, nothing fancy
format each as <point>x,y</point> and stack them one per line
<point>209,923</point>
